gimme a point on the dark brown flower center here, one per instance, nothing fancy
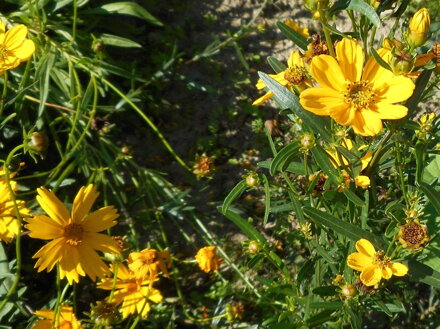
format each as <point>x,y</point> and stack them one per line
<point>149,257</point>
<point>295,74</point>
<point>360,94</point>
<point>413,233</point>
<point>73,234</point>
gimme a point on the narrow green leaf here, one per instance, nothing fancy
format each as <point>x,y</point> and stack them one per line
<point>291,34</point>
<point>276,65</point>
<point>423,273</point>
<point>321,251</point>
<point>285,98</point>
<point>234,194</point>
<point>420,152</point>
<point>297,208</point>
<point>366,10</point>
<point>116,41</point>
<point>379,59</point>
<point>293,167</point>
<point>335,305</point>
<point>267,199</point>
<point>432,194</point>
<point>322,159</point>
<point>286,153</point>
<point>129,8</point>
<point>245,226</point>
<point>415,98</point>
<point>320,318</point>
<point>349,230</point>
<point>353,197</point>
<point>339,5</point>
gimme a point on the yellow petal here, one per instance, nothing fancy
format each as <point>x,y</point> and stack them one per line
<point>155,296</point>
<point>399,269</point>
<point>15,37</point>
<point>49,255</point>
<point>91,263</point>
<point>263,98</point>
<point>25,51</point>
<point>322,101</point>
<point>373,71</point>
<point>391,112</point>
<point>52,206</point>
<point>366,158</point>
<point>327,72</point>
<point>387,273</point>
<point>371,276</point>
<point>365,247</point>
<point>350,58</point>
<point>2,27</point>
<point>295,59</point>
<point>358,261</point>
<point>362,181</point>
<point>43,227</point>
<point>100,219</point>
<point>394,89</point>
<point>344,116</point>
<point>100,242</point>
<point>373,123</point>
<point>83,202</point>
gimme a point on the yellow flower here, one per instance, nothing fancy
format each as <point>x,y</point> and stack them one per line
<point>14,48</point>
<point>74,236</point>
<point>356,97</point>
<point>374,265</point>
<point>360,180</point>
<point>134,294</point>
<point>208,259</point>
<point>65,320</point>
<point>148,262</point>
<point>304,31</point>
<point>8,220</point>
<point>295,74</point>
<point>419,27</point>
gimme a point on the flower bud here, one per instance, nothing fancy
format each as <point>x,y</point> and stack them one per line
<point>254,247</point>
<point>419,27</point>
<point>348,290</point>
<point>38,142</point>
<point>252,180</point>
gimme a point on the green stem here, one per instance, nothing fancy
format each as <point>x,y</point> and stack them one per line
<point>400,171</point>
<point>4,93</point>
<point>328,38</point>
<point>14,285</point>
<point>75,17</point>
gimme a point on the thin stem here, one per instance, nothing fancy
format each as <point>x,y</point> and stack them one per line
<point>14,285</point>
<point>328,38</point>
<point>4,93</point>
<point>75,17</point>
<point>400,171</point>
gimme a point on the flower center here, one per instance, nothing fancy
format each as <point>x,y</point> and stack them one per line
<point>360,94</point>
<point>149,257</point>
<point>380,259</point>
<point>295,74</point>
<point>74,234</point>
<point>413,233</point>
<point>3,53</point>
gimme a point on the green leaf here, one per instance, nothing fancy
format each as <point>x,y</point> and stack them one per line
<point>353,197</point>
<point>245,226</point>
<point>267,199</point>
<point>114,40</point>
<point>432,170</point>
<point>366,10</point>
<point>234,194</point>
<point>326,290</point>
<point>284,155</point>
<point>276,65</point>
<point>349,230</point>
<point>423,273</point>
<point>322,159</point>
<point>380,60</point>
<point>291,34</point>
<point>420,152</point>
<point>320,318</point>
<point>415,98</point>
<point>432,195</point>
<point>335,305</point>
<point>128,8</point>
<point>293,167</point>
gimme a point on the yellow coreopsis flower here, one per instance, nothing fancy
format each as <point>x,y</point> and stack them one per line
<point>14,47</point>
<point>74,236</point>
<point>148,262</point>
<point>134,294</point>
<point>419,27</point>
<point>8,220</point>
<point>295,74</point>
<point>65,320</point>
<point>374,265</point>
<point>353,95</point>
<point>208,259</point>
